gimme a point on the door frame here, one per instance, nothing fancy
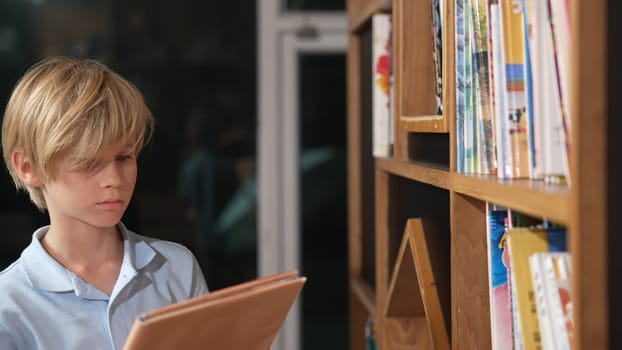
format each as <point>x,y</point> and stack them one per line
<point>282,37</point>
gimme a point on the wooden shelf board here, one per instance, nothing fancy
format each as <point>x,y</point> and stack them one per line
<point>529,197</point>
<point>434,176</point>
<point>364,294</point>
<point>360,12</point>
<point>423,123</point>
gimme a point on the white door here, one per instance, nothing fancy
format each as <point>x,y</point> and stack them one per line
<point>283,37</point>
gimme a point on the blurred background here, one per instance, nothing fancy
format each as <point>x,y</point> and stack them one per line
<point>198,63</point>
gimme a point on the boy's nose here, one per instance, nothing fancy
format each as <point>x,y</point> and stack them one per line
<point>110,175</point>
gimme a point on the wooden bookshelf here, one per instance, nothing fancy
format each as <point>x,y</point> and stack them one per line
<point>405,186</point>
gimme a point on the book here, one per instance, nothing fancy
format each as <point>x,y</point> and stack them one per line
<point>551,278</point>
<point>551,159</point>
<point>504,166</point>
<point>515,111</point>
<point>499,289</point>
<point>437,54</point>
<point>245,316</point>
<point>381,89</point>
<point>460,84</point>
<point>470,142</point>
<point>484,128</point>
<point>522,243</point>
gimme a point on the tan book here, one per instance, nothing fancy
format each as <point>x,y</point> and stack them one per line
<point>246,316</point>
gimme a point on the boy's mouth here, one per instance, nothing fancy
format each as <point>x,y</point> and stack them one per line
<point>112,204</point>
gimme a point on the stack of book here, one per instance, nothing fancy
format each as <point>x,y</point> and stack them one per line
<point>529,274</point>
<point>512,107</point>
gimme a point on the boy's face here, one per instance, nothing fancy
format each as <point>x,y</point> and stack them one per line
<point>96,198</point>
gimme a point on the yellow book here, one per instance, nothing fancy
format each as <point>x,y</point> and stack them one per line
<point>521,244</point>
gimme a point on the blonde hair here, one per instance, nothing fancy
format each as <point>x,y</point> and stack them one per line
<point>65,109</point>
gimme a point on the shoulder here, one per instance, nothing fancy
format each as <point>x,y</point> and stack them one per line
<point>170,263</point>
<point>11,278</point>
<point>15,289</point>
<point>170,250</point>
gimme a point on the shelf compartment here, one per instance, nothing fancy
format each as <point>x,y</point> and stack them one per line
<point>431,175</point>
<point>360,12</point>
<point>415,71</point>
<point>414,293</point>
<point>534,198</point>
<point>429,148</point>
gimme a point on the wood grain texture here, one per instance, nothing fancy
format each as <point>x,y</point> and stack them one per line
<point>407,334</point>
<point>400,137</point>
<point>382,248</point>
<point>469,275</point>
<point>355,235</point>
<point>364,294</point>
<point>588,218</point>
<point>449,77</point>
<point>432,123</point>
<point>414,63</point>
<point>357,315</point>
<point>426,245</point>
<point>360,11</point>
<point>418,172</point>
<point>530,197</point>
<point>404,297</point>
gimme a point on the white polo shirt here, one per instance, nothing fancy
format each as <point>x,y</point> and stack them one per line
<point>45,306</point>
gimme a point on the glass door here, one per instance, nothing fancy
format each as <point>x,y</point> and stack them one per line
<point>301,167</point>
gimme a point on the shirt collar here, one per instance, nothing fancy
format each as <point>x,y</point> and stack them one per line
<point>45,273</point>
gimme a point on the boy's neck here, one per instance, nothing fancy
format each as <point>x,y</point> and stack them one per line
<point>84,247</point>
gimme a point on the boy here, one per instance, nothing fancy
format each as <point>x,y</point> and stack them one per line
<point>71,133</point>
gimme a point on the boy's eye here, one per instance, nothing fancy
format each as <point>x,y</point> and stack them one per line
<point>123,157</point>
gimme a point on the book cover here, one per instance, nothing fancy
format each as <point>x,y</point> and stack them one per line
<point>515,98</point>
<point>381,119</point>
<point>459,43</point>
<point>499,290</point>
<point>551,159</point>
<point>557,278</point>
<point>437,54</point>
<point>470,127</point>
<point>484,123</point>
<point>536,266</point>
<point>501,135</point>
<point>522,243</point>
<point>245,316</point>
<point>560,33</point>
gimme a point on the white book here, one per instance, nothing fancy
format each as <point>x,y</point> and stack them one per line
<point>536,266</point>
<point>381,85</point>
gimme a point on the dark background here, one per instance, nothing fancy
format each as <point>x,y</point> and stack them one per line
<point>190,57</point>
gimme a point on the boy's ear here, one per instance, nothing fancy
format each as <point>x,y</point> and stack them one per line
<point>24,169</point>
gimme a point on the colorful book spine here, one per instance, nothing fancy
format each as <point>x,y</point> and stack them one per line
<point>504,166</point>
<point>551,278</point>
<point>437,54</point>
<point>469,113</point>
<point>522,243</point>
<point>551,159</point>
<point>515,99</point>
<point>460,86</point>
<point>487,163</point>
<point>499,292</point>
